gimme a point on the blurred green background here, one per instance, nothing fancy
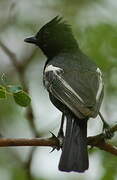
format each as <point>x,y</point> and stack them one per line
<point>94,24</point>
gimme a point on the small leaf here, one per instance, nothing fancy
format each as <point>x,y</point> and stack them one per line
<point>14,88</point>
<point>2,93</point>
<point>22,98</point>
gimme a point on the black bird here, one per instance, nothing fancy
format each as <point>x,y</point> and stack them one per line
<point>75,87</point>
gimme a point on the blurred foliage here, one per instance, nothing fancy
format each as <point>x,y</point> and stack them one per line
<point>21,174</point>
<point>110,165</point>
<point>101,44</point>
<point>95,28</point>
<point>2,92</point>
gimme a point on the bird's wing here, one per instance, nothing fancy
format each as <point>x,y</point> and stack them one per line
<point>73,94</point>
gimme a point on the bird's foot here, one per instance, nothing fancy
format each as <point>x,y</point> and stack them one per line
<point>108,134</point>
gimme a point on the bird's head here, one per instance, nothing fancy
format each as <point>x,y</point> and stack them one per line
<point>54,37</point>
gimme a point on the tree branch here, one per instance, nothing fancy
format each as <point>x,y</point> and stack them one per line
<point>100,143</point>
<point>97,141</point>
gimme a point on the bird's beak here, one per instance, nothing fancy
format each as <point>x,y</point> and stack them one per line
<point>32,40</point>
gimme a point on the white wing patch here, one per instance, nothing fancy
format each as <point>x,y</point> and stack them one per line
<point>56,71</point>
<point>52,68</point>
<point>100,84</point>
<point>71,90</point>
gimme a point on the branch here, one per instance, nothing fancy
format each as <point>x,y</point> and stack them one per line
<point>100,143</point>
<point>113,129</point>
<point>5,142</point>
<point>10,54</point>
<point>97,141</point>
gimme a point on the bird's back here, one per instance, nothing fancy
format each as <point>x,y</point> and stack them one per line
<point>83,76</point>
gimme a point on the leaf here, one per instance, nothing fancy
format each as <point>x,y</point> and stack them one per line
<point>22,98</point>
<point>14,88</point>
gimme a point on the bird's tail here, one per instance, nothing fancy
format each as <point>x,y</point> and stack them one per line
<point>74,152</point>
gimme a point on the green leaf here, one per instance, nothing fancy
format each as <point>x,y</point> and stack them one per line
<point>14,88</point>
<point>22,98</point>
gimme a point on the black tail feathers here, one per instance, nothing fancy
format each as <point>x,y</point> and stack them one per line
<point>74,153</point>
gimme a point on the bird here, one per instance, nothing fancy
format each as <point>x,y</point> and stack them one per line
<point>75,86</point>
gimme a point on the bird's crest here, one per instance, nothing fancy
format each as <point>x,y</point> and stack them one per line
<point>58,22</point>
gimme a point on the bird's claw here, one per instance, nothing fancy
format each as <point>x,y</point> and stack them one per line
<point>108,134</point>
